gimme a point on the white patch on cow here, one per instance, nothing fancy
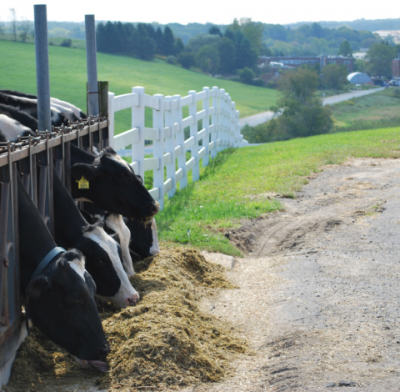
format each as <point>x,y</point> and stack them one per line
<point>155,247</point>
<point>126,290</point>
<point>117,158</point>
<point>68,113</point>
<point>116,223</point>
<point>11,128</point>
<point>78,265</point>
<point>67,105</point>
<point>95,151</point>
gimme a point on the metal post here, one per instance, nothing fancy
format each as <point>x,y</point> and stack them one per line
<point>42,68</point>
<point>91,61</point>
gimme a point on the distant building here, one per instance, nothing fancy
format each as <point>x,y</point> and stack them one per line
<point>396,68</point>
<point>359,78</point>
<point>297,61</point>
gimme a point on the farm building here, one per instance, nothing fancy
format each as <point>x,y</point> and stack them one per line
<point>359,78</point>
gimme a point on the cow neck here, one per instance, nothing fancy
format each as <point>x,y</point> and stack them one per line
<point>69,222</point>
<point>35,239</point>
<point>80,156</point>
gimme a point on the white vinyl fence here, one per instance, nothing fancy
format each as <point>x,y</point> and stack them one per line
<point>220,129</point>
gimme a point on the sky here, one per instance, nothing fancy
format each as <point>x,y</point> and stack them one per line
<point>214,11</point>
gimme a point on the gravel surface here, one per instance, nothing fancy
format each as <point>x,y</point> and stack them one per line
<point>318,297</point>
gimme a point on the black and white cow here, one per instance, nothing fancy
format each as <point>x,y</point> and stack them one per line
<point>22,117</point>
<point>59,114</point>
<point>60,300</point>
<point>53,102</point>
<point>103,254</point>
<point>113,185</point>
<point>10,129</point>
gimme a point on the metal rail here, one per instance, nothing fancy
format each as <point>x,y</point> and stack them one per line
<point>33,158</point>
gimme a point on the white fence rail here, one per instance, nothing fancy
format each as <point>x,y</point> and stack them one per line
<point>220,129</point>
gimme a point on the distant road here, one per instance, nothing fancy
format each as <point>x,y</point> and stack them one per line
<point>261,118</point>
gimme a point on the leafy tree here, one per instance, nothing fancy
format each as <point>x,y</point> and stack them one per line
<point>208,59</point>
<point>345,49</point>
<point>195,43</point>
<point>334,76</point>
<point>380,58</point>
<point>227,55</point>
<point>145,46</point>
<point>25,28</point>
<point>159,40</point>
<point>168,42</point>
<point>13,16</point>
<point>253,31</point>
<point>245,56</point>
<point>301,112</point>
<point>214,30</point>
<point>179,46</point>
<point>187,60</point>
<point>246,75</point>
<point>66,43</point>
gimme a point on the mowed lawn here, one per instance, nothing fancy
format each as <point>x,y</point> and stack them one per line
<point>68,78</point>
<point>237,183</point>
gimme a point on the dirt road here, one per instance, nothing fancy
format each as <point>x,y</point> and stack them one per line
<point>319,292</point>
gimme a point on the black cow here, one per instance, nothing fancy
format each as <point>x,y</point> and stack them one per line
<point>22,117</point>
<point>103,254</point>
<point>60,300</point>
<point>59,114</point>
<point>142,239</point>
<point>113,185</point>
<point>53,102</point>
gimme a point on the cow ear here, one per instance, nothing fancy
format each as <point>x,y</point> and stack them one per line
<point>80,170</point>
<point>38,288</point>
<point>90,283</point>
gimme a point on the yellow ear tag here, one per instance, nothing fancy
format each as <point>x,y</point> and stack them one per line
<point>83,183</point>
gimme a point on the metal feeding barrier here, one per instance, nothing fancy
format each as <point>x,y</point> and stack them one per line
<point>33,158</point>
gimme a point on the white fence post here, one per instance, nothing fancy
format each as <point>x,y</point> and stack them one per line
<point>180,141</point>
<point>170,146</point>
<point>206,125</point>
<point>233,123</point>
<point>193,132</point>
<point>111,130</point>
<point>222,117</point>
<point>214,121</point>
<point>138,116</point>
<point>239,139</point>
<point>229,118</point>
<point>158,149</point>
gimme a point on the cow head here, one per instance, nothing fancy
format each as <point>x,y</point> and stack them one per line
<point>104,262</point>
<point>113,186</point>
<point>144,237</point>
<point>61,304</point>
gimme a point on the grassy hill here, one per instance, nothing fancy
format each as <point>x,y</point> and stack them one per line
<point>68,78</point>
<point>239,183</point>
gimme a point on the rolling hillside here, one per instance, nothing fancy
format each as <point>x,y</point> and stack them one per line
<point>68,78</point>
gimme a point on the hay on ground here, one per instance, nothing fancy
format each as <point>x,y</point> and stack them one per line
<point>164,341</point>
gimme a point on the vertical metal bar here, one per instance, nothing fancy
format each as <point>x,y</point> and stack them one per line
<point>42,68</point>
<point>67,166</point>
<point>91,61</point>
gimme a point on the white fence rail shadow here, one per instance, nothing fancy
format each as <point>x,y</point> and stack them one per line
<point>220,129</point>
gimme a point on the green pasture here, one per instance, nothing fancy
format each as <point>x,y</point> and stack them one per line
<point>238,183</point>
<point>68,78</point>
<point>371,111</point>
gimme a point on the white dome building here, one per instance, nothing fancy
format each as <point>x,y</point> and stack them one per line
<point>358,78</point>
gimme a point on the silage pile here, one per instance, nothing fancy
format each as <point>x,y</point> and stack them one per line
<point>165,340</point>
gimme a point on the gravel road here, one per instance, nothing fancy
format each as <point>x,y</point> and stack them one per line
<point>319,293</point>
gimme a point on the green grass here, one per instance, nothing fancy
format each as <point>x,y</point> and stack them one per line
<point>68,78</point>
<point>371,111</point>
<point>75,43</point>
<point>235,184</point>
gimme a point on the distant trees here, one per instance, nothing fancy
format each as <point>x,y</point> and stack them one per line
<point>13,16</point>
<point>187,60</point>
<point>334,76</point>
<point>380,58</point>
<point>141,41</point>
<point>345,49</point>
<point>300,112</point>
<point>25,28</point>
